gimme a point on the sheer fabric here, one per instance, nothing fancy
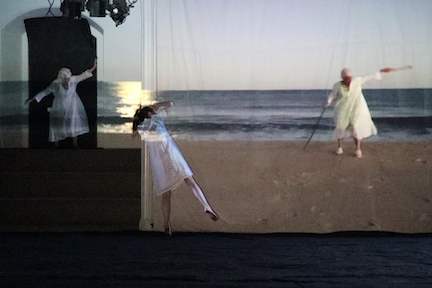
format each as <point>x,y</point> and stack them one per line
<point>169,168</point>
<point>295,44</point>
<point>68,117</point>
<point>262,70</point>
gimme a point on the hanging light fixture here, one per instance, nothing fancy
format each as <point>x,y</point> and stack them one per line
<point>118,9</point>
<point>97,7</point>
<point>72,8</point>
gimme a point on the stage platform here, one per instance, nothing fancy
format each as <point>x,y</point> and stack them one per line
<point>139,259</point>
<point>58,190</point>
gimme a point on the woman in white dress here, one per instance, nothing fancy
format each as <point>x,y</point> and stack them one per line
<point>169,168</point>
<point>68,117</point>
<point>352,115</point>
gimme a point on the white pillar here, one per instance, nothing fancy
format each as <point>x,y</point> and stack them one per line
<point>148,86</point>
<point>147,195</point>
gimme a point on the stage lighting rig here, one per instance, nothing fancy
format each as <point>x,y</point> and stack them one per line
<point>72,8</point>
<point>97,8</point>
<point>117,9</point>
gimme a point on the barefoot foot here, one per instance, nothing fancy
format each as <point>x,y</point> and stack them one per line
<point>168,230</point>
<point>358,154</point>
<point>213,215</point>
<point>339,151</point>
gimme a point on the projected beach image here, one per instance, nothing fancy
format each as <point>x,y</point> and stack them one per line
<point>278,115</point>
<point>255,71</point>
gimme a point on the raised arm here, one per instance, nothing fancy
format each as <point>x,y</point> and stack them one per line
<point>91,70</point>
<point>166,104</point>
<point>86,74</point>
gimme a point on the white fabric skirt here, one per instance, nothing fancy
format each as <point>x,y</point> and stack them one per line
<point>354,120</point>
<point>169,168</point>
<point>67,119</point>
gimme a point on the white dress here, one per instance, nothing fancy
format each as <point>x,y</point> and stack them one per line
<point>352,115</point>
<point>68,117</point>
<point>169,168</point>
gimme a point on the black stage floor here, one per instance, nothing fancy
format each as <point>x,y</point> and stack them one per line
<point>139,259</point>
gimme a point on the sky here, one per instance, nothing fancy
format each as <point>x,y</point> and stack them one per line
<point>257,44</point>
<point>291,44</point>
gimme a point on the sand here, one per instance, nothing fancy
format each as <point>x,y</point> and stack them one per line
<point>262,187</point>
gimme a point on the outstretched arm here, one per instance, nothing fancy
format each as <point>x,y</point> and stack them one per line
<point>28,101</point>
<point>387,70</point>
<point>39,96</point>
<point>377,75</point>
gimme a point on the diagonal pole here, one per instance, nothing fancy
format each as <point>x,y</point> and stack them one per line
<point>315,128</point>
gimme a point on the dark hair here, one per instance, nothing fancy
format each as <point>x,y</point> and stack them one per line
<point>140,115</point>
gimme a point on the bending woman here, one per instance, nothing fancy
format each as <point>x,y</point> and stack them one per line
<point>168,165</point>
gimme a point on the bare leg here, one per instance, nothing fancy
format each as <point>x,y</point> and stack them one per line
<point>339,149</point>
<point>166,210</point>
<point>56,144</point>
<point>196,190</point>
<point>75,142</point>
<point>358,152</point>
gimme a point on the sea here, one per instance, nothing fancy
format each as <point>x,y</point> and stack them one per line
<point>241,115</point>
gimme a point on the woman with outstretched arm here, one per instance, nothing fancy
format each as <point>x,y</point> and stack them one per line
<point>68,117</point>
<point>352,115</point>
